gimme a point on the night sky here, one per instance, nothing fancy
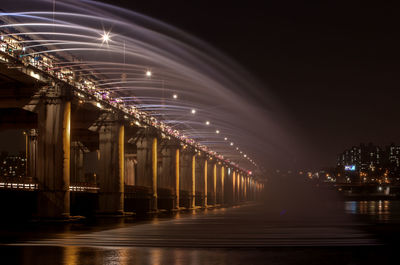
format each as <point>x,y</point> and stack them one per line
<point>333,66</point>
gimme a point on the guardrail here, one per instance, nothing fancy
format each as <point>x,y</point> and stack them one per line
<point>18,183</point>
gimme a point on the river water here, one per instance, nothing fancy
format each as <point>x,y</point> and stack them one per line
<point>294,224</point>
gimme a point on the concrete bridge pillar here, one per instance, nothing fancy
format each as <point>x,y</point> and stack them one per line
<point>240,177</point>
<point>31,152</point>
<point>53,160</point>
<point>240,186</point>
<point>233,186</point>
<point>214,183</point>
<point>228,187</point>
<point>77,169</point>
<point>188,178</point>
<point>211,182</point>
<point>169,177</point>
<point>237,190</point>
<point>205,182</point>
<point>245,179</point>
<point>130,165</point>
<point>250,189</point>
<point>201,179</point>
<point>111,167</point>
<point>147,165</point>
<point>222,194</point>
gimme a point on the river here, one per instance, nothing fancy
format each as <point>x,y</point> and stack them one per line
<point>294,224</point>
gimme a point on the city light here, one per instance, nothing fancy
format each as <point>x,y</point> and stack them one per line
<point>217,131</point>
<point>207,123</point>
<point>148,73</point>
<point>193,111</point>
<point>175,96</point>
<point>231,143</point>
<point>226,138</point>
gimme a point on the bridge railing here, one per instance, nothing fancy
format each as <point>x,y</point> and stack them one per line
<point>84,187</point>
<point>18,183</point>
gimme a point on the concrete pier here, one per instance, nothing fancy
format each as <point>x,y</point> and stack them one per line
<point>169,178</point>
<point>53,163</point>
<point>188,178</point>
<point>201,180</point>
<point>111,166</point>
<point>147,157</point>
<point>77,163</point>
<point>31,152</point>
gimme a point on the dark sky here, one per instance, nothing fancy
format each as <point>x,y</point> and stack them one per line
<point>334,66</point>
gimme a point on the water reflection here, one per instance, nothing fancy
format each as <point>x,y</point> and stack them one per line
<point>182,256</point>
<point>382,211</point>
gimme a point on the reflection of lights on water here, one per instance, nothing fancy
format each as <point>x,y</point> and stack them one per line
<point>380,209</point>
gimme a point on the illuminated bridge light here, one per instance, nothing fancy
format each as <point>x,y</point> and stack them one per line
<point>105,37</point>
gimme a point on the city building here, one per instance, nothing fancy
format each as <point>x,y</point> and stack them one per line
<point>12,166</point>
<point>363,157</point>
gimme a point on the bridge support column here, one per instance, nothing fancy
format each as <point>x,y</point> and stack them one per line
<point>169,177</point>
<point>233,186</point>
<point>147,168</point>
<point>205,180</point>
<point>240,186</point>
<point>201,180</point>
<point>53,162</point>
<point>222,200</point>
<point>238,181</point>
<point>250,189</point>
<point>215,183</point>
<point>77,170</point>
<point>211,182</point>
<point>111,168</point>
<point>245,178</point>
<point>31,152</point>
<point>188,178</point>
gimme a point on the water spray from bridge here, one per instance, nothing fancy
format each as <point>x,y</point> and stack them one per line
<point>119,67</point>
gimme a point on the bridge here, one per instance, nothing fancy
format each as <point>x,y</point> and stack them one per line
<point>72,121</point>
